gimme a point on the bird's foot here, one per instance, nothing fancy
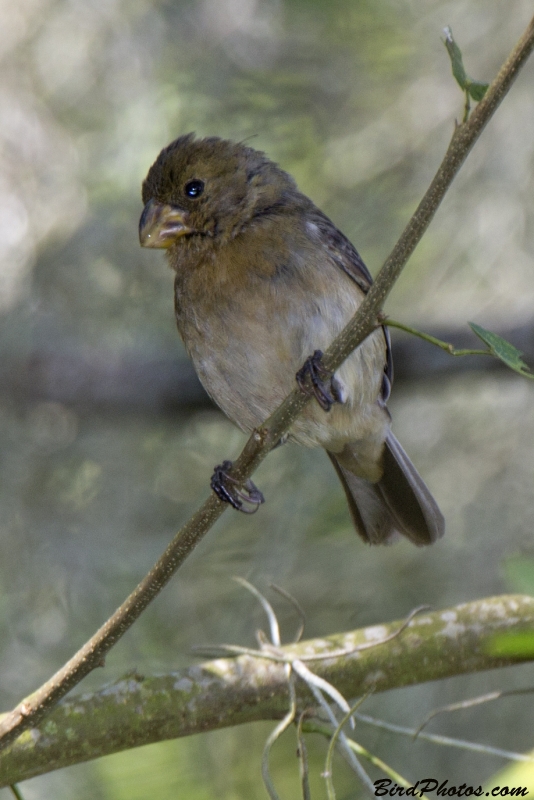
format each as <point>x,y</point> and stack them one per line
<point>315,379</point>
<point>225,487</point>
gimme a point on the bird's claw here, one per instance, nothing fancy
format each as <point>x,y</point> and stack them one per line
<point>322,383</point>
<point>225,487</point>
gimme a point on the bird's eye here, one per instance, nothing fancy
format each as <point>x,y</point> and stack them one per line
<point>194,188</point>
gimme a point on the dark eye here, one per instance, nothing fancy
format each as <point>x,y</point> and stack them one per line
<point>194,188</point>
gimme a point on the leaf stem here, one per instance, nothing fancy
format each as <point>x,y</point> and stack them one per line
<point>449,348</point>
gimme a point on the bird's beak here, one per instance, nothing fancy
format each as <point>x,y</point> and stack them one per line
<point>161,225</point>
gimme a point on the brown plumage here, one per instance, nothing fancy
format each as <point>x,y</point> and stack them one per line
<point>263,279</point>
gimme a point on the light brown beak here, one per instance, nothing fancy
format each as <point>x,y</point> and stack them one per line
<point>161,225</point>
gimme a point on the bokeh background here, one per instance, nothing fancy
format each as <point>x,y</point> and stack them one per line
<point>98,470</point>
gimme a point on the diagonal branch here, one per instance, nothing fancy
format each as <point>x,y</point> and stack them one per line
<point>31,710</point>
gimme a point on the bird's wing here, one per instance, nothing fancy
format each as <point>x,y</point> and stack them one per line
<point>342,251</point>
<point>344,254</point>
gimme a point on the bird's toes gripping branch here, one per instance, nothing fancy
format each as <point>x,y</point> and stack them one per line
<point>313,378</point>
<point>248,499</point>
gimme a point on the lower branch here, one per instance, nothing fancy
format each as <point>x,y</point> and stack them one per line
<point>139,710</point>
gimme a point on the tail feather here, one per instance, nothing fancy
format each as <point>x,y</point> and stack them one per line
<point>400,503</point>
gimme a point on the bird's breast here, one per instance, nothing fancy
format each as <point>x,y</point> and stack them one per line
<point>247,338</point>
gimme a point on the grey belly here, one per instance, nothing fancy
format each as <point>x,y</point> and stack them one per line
<point>248,377</point>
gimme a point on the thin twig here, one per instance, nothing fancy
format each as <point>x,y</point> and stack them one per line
<point>275,735</point>
<point>267,607</point>
<point>448,741</point>
<point>303,759</point>
<point>366,645</point>
<point>345,749</point>
<point>333,742</point>
<point>311,726</point>
<point>298,608</point>
<point>314,681</point>
<point>461,705</point>
<point>272,654</point>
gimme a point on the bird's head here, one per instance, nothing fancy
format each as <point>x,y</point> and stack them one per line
<point>209,188</point>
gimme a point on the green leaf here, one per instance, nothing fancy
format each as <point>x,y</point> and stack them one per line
<point>502,349</point>
<point>512,644</point>
<point>475,89</point>
<point>455,55</point>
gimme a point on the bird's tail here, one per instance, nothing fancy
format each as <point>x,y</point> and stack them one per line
<point>400,503</point>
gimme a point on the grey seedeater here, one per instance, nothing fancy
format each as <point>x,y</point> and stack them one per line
<point>264,279</point>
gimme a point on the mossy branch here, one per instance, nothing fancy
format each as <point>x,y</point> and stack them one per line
<point>33,708</point>
<point>138,710</point>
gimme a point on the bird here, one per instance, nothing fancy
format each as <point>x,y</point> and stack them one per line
<point>264,282</point>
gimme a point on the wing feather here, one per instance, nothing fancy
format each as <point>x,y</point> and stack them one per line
<point>343,253</point>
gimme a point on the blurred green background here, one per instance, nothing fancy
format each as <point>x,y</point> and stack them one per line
<point>355,99</point>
